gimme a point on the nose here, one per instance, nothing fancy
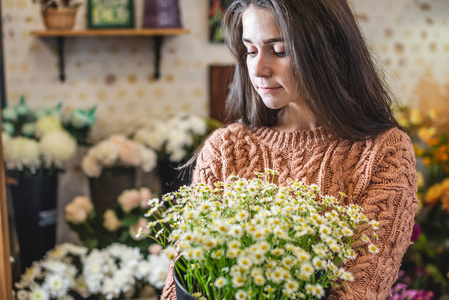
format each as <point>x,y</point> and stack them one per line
<point>262,66</point>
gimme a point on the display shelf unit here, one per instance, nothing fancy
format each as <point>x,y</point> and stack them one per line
<point>158,35</point>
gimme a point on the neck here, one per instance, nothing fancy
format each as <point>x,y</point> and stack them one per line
<point>295,117</point>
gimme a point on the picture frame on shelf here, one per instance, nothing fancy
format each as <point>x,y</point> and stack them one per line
<point>109,14</point>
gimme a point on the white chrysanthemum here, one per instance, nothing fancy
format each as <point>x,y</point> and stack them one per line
<point>278,275</point>
<point>220,282</point>
<point>159,266</point>
<point>347,276</point>
<point>259,280</point>
<point>55,266</point>
<point>318,263</point>
<point>307,269</point>
<point>240,295</point>
<point>5,138</point>
<point>47,124</point>
<point>39,294</point>
<point>238,281</point>
<point>373,249</point>
<point>22,152</point>
<point>56,285</point>
<point>291,285</point>
<point>81,287</point>
<point>57,147</point>
<point>22,295</point>
<point>57,253</point>
<point>197,124</point>
<point>245,262</point>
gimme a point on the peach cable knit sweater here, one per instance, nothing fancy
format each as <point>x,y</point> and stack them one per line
<point>377,174</point>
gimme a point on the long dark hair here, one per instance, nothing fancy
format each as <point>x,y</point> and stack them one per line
<point>332,66</point>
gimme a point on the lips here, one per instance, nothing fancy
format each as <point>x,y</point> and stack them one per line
<point>268,89</point>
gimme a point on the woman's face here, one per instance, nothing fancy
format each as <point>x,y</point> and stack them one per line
<point>269,67</point>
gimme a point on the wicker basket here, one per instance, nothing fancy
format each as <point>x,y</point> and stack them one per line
<point>59,18</point>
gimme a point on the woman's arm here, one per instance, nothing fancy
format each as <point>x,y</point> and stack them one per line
<point>389,198</point>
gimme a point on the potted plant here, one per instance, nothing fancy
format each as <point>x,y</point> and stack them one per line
<point>59,14</point>
<point>252,239</point>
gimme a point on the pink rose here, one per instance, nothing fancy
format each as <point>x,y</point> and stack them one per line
<point>74,213</point>
<point>84,203</point>
<point>155,249</point>
<point>129,199</point>
<point>129,153</point>
<point>111,222</point>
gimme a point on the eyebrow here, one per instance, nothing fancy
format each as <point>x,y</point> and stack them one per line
<point>267,41</point>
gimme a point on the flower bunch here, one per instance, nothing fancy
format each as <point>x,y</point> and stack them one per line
<point>438,195</point>
<point>58,275</point>
<point>177,137</point>
<point>418,124</point>
<point>118,151</point>
<point>21,120</point>
<point>116,272</point>
<point>401,292</point>
<point>251,238</point>
<point>50,152</point>
<point>121,224</point>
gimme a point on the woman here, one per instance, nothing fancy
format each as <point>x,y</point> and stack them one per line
<point>306,101</point>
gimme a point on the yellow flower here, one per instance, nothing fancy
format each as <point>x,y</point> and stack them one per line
<point>426,161</point>
<point>415,116</point>
<point>420,179</point>
<point>432,114</point>
<point>426,133</point>
<point>433,194</point>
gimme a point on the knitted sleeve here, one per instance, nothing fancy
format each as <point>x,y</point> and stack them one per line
<point>207,170</point>
<point>390,198</point>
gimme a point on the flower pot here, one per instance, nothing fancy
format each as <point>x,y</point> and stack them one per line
<point>59,18</point>
<point>183,294</point>
<point>161,13</point>
<point>105,189</point>
<point>35,199</point>
<point>181,291</point>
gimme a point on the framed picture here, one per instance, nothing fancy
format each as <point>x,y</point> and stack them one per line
<point>215,19</point>
<point>110,14</point>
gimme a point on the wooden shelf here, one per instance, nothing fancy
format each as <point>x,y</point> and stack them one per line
<point>110,32</point>
<point>156,33</point>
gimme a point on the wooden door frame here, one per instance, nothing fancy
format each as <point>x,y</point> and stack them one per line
<point>5,263</point>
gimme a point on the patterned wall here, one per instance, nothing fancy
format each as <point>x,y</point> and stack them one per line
<point>409,38</point>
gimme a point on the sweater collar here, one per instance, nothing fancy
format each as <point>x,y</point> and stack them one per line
<point>294,139</point>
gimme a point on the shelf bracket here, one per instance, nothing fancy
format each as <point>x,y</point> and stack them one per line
<point>60,41</point>
<point>157,51</point>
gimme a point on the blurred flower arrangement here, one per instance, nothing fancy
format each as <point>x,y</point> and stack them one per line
<point>177,137</point>
<point>425,266</point>
<point>115,272</point>
<point>42,140</point>
<point>20,120</point>
<point>119,224</point>
<point>252,239</point>
<point>118,151</point>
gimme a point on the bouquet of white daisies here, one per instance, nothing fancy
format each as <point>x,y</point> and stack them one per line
<point>252,239</point>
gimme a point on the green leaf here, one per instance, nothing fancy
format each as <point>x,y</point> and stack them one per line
<point>129,220</point>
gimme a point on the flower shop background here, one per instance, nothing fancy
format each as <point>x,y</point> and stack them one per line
<point>408,38</point>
